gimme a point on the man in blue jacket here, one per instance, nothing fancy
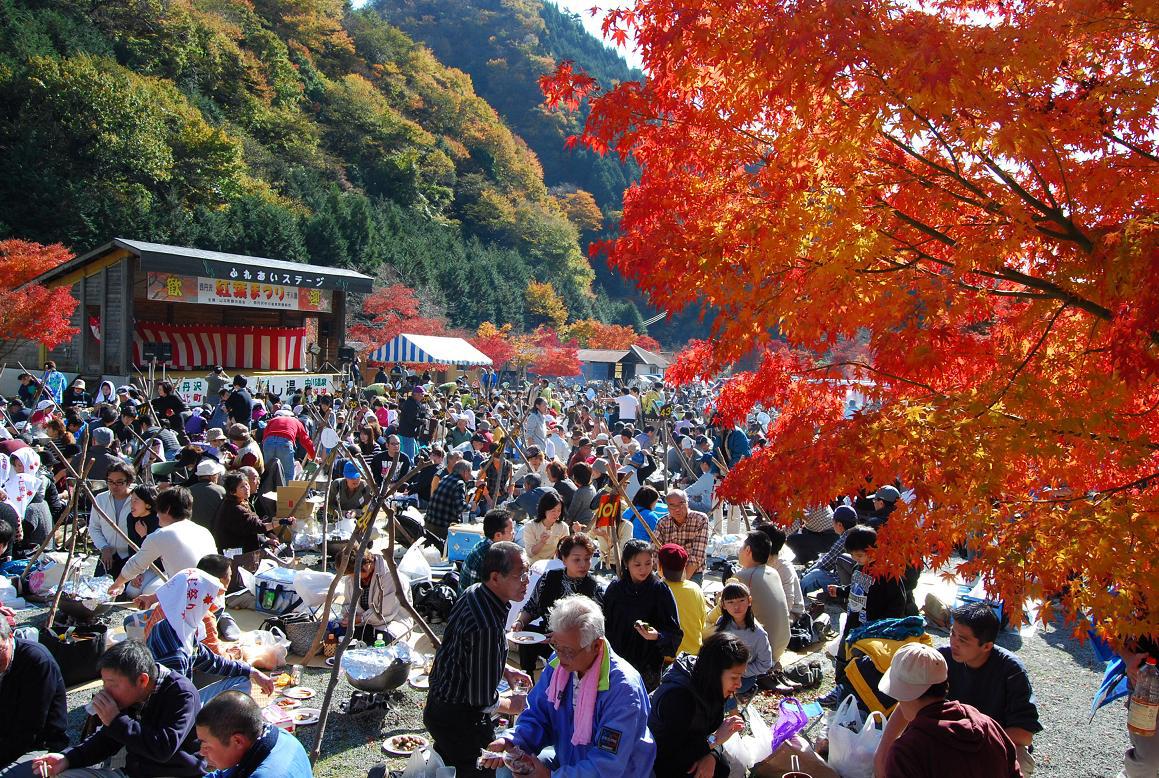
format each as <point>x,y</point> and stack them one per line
<point>237,743</point>
<point>590,706</point>
<point>145,709</point>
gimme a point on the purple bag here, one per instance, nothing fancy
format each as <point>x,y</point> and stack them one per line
<point>790,721</point>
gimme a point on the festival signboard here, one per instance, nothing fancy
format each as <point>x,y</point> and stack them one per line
<point>174,288</point>
<point>193,390</point>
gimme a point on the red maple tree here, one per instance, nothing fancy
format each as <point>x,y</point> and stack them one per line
<point>33,312</point>
<point>388,312</point>
<point>556,362</point>
<point>967,238</point>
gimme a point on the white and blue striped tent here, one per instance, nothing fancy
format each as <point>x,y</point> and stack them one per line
<point>429,349</point>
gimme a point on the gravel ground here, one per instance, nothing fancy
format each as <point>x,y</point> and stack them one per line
<point>1063,670</point>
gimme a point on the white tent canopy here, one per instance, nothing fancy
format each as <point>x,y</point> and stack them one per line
<point>430,349</point>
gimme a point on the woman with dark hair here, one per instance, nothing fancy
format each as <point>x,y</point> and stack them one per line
<point>142,512</point>
<point>575,551</point>
<point>541,536</point>
<point>236,525</point>
<point>557,475</point>
<point>687,718</point>
<point>643,512</point>
<point>579,508</point>
<point>642,623</point>
<point>379,610</point>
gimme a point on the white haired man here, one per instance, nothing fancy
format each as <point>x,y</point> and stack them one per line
<point>589,705</point>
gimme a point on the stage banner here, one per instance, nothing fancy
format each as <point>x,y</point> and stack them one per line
<point>173,288</point>
<point>243,348</point>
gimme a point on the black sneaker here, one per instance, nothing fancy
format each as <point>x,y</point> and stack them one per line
<point>831,700</point>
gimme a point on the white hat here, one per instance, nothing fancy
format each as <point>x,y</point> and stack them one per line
<point>915,668</point>
<point>283,412</point>
<point>208,467</point>
<point>686,443</point>
<point>44,404</point>
<point>602,436</point>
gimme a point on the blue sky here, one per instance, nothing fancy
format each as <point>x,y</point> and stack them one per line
<point>592,23</point>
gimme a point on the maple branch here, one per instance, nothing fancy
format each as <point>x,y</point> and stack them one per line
<point>1094,496</point>
<point>1042,183</point>
<point>1073,233</point>
<point>1026,361</point>
<point>1061,173</point>
<point>1130,146</point>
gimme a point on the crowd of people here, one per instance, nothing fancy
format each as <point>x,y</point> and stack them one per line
<point>595,508</point>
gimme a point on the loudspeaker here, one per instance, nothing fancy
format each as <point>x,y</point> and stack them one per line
<point>346,354</point>
<point>162,352</point>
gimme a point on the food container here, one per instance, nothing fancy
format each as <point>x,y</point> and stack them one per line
<point>378,669</point>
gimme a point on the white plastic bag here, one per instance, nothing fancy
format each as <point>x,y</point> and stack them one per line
<point>311,586</point>
<point>853,741</point>
<point>746,751</point>
<point>414,564</point>
<point>425,763</point>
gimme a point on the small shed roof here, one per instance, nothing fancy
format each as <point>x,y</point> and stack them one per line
<point>608,355</point>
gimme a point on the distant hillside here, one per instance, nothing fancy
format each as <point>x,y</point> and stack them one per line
<point>505,46</point>
<point>290,128</point>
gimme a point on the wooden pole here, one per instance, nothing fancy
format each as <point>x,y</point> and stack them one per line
<point>67,562</point>
<point>72,500</point>
<point>351,607</point>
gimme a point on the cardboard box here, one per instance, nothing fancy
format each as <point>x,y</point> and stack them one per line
<point>288,498</point>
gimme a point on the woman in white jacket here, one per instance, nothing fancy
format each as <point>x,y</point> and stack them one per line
<point>378,609</point>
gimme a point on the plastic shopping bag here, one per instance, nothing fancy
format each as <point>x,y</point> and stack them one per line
<point>414,564</point>
<point>426,763</point>
<point>744,751</point>
<point>312,586</point>
<point>853,741</point>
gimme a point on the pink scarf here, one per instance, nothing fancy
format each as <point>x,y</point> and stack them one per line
<point>585,709</point>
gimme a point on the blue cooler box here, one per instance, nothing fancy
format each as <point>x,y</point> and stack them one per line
<point>275,592</point>
<point>462,539</point>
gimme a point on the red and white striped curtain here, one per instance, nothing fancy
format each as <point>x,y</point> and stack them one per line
<point>206,345</point>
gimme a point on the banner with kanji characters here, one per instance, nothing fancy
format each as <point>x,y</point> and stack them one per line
<point>194,390</point>
<point>173,288</point>
<point>206,345</point>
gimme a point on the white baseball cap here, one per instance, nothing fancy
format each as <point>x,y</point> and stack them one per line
<point>915,668</point>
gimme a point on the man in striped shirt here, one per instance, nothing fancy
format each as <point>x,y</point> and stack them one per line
<point>473,659</point>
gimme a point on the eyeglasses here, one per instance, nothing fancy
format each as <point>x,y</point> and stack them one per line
<point>674,503</point>
<point>118,482</point>
<point>525,577</point>
<point>566,653</point>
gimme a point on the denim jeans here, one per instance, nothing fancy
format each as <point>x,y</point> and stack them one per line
<point>282,450</point>
<point>239,683</point>
<point>408,446</point>
<point>816,580</point>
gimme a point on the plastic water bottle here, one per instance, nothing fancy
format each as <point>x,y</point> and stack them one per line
<point>1144,713</point>
<point>379,642</point>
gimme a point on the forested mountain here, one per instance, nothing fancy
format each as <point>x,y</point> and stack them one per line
<point>298,129</point>
<point>505,46</point>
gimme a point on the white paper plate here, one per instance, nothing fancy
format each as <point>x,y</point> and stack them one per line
<point>298,693</point>
<point>419,679</point>
<point>526,638</point>
<point>391,745</point>
<point>304,717</point>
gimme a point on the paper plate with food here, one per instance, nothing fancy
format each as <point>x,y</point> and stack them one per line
<point>404,745</point>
